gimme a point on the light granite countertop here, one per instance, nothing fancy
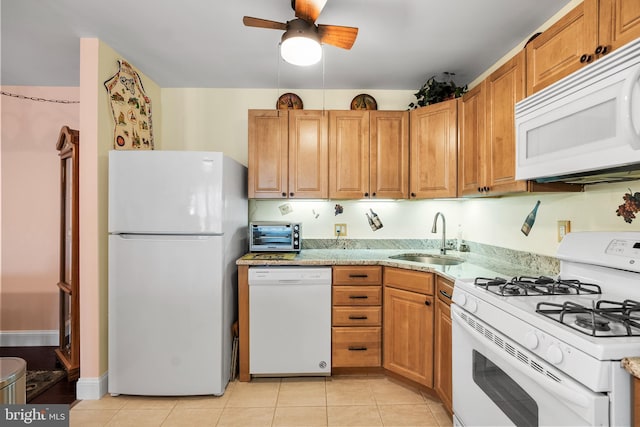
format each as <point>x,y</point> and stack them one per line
<point>632,365</point>
<point>474,266</point>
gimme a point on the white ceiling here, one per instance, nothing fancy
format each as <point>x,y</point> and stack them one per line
<point>203,43</point>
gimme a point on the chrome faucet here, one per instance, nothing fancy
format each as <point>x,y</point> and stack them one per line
<point>434,229</point>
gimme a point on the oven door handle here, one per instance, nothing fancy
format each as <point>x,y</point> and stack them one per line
<point>567,393</point>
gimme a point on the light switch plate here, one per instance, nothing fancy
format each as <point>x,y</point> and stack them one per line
<point>340,230</point>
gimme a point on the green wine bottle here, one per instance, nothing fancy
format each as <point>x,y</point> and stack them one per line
<point>531,218</point>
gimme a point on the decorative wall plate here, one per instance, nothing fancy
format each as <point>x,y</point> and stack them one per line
<point>289,101</point>
<point>364,102</point>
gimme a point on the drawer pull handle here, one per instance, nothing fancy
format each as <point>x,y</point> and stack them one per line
<point>358,317</point>
<point>358,297</point>
<point>358,276</point>
<point>444,294</point>
<point>353,348</point>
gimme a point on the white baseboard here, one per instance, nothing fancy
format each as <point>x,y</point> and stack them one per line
<point>29,338</point>
<point>92,388</point>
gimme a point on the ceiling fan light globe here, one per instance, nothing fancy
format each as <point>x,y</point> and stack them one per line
<point>302,51</point>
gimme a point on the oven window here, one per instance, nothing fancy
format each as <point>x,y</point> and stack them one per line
<point>516,404</point>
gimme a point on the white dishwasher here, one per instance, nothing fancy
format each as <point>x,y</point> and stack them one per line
<point>289,321</point>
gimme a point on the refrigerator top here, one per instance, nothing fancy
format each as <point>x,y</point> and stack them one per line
<point>172,192</point>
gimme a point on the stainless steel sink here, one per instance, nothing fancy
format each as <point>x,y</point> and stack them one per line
<point>429,259</point>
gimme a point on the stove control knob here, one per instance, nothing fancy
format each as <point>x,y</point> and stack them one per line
<point>531,340</point>
<point>463,299</point>
<point>554,354</point>
<point>472,305</point>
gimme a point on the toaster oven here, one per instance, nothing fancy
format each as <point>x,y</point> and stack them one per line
<point>275,237</point>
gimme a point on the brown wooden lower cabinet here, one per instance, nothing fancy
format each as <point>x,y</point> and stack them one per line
<point>442,382</point>
<point>356,347</point>
<point>356,333</point>
<point>408,325</point>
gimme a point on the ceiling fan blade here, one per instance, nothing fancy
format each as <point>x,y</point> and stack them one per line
<point>338,36</point>
<point>309,10</point>
<point>263,23</point>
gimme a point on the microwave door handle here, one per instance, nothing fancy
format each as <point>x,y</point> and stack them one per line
<point>562,391</point>
<point>627,108</point>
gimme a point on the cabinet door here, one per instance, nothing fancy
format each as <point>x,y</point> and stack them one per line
<point>389,154</point>
<point>442,382</point>
<point>308,154</point>
<point>268,154</point>
<point>619,22</point>
<point>434,140</point>
<point>471,134</point>
<point>504,87</point>
<point>348,154</point>
<point>408,335</point>
<point>557,52</point>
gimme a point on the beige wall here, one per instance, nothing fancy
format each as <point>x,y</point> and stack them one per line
<point>216,119</point>
<point>31,205</point>
<point>98,62</point>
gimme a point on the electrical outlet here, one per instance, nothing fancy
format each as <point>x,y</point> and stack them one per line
<point>340,230</point>
<point>564,228</point>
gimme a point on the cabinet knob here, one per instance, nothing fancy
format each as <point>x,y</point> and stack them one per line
<point>290,194</point>
<point>485,189</point>
<point>427,302</point>
<point>480,190</point>
<point>366,194</point>
<point>601,50</point>
<point>284,194</point>
<point>413,194</point>
<point>585,58</point>
<point>373,194</point>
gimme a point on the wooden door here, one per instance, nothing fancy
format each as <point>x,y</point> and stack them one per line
<point>389,154</point>
<point>434,139</point>
<point>442,381</point>
<point>471,134</point>
<point>349,154</point>
<point>308,154</point>
<point>504,87</point>
<point>268,154</point>
<point>557,52</point>
<point>619,22</point>
<point>408,335</point>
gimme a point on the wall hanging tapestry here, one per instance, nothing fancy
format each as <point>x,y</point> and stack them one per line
<point>131,109</point>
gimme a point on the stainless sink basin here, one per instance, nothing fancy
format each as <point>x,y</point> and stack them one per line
<point>429,259</point>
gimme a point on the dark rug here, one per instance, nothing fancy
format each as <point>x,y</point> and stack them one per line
<point>40,381</point>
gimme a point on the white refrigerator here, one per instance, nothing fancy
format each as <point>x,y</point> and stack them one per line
<point>177,223</point>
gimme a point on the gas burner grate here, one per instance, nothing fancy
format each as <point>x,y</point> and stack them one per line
<point>604,319</point>
<point>530,286</point>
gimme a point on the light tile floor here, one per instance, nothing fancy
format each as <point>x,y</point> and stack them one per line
<point>335,401</point>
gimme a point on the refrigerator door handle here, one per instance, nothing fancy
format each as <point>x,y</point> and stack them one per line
<point>136,236</point>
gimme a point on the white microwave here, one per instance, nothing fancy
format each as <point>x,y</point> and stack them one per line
<point>584,128</point>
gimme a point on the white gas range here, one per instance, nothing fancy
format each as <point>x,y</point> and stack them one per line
<point>546,351</point>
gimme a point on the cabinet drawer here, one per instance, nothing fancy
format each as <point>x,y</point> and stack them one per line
<point>357,295</point>
<point>444,290</point>
<point>357,275</point>
<point>356,347</point>
<point>357,316</point>
<point>408,280</point>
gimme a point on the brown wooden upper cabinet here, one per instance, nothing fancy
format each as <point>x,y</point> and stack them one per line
<point>368,154</point>
<point>434,139</point>
<point>471,144</point>
<point>288,155</point>
<point>504,87</point>
<point>590,30</point>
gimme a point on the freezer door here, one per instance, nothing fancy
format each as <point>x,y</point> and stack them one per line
<point>166,192</point>
<point>170,315</point>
